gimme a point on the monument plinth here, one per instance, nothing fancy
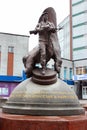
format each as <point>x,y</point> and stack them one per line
<point>32,97</point>
<point>50,77</point>
<point>23,122</point>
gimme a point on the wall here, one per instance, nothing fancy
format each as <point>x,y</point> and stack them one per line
<point>6,88</point>
<point>20,44</point>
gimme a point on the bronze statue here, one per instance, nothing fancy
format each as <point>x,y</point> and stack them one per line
<point>48,44</point>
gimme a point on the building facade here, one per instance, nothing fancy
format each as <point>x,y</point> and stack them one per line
<point>78,24</point>
<point>12,48</point>
<point>64,38</point>
<point>64,41</point>
<point>79,29</point>
<point>72,39</point>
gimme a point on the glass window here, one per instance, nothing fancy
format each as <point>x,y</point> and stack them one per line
<point>78,70</point>
<point>70,73</point>
<point>81,70</point>
<point>86,69</point>
<point>65,72</point>
<point>4,91</point>
<point>84,90</point>
<point>11,49</point>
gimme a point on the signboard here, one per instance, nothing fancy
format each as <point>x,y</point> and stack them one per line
<point>80,77</point>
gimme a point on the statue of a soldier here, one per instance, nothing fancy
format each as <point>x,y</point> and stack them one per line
<point>44,28</point>
<point>48,43</point>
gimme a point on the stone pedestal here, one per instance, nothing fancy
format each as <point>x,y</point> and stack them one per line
<point>43,102</point>
<point>43,95</point>
<point>23,122</point>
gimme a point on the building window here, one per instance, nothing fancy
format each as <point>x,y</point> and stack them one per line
<point>85,70</point>
<point>11,49</point>
<point>70,73</point>
<point>65,72</point>
<point>84,92</point>
<point>81,70</point>
<point>4,91</point>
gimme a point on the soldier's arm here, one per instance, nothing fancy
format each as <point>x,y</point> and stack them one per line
<point>50,27</point>
<point>33,32</point>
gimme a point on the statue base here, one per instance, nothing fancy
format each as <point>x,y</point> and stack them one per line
<point>32,97</point>
<point>48,78</point>
<point>23,122</point>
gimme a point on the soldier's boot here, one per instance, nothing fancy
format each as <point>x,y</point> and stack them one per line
<point>43,70</point>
